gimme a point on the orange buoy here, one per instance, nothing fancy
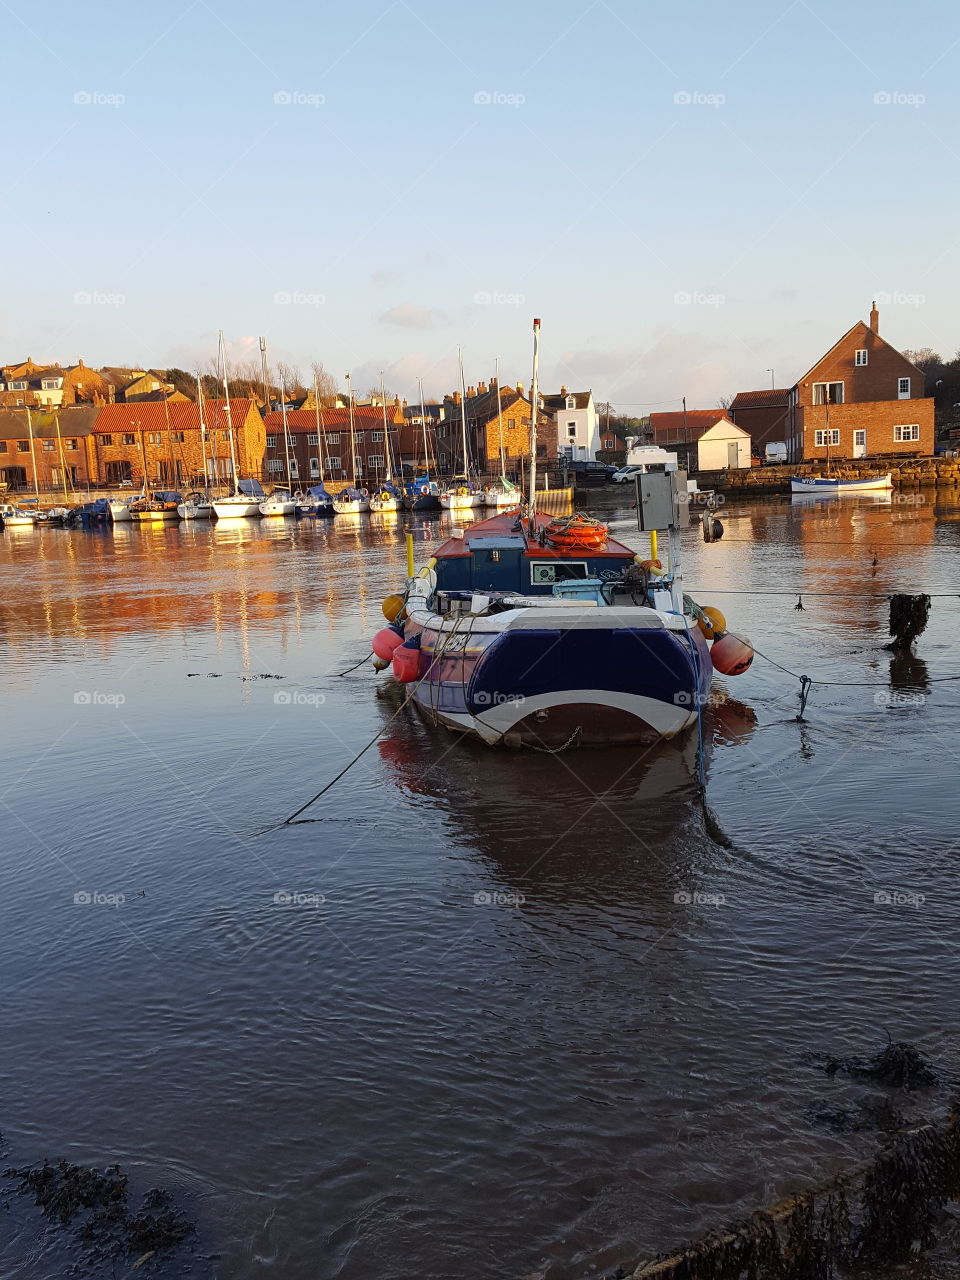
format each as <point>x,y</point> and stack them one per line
<point>385,642</point>
<point>712,624</point>
<point>578,530</point>
<point>731,655</point>
<point>392,607</point>
<point>406,662</point>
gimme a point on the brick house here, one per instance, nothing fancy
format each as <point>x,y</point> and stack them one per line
<point>167,436</point>
<point>764,415</point>
<point>61,449</point>
<point>309,461</point>
<point>862,399</point>
<point>485,428</point>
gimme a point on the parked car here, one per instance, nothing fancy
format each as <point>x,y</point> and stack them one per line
<point>625,474</point>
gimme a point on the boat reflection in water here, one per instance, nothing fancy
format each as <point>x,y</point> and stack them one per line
<point>578,822</point>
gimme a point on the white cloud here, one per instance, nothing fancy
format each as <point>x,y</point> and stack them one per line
<point>410,316</point>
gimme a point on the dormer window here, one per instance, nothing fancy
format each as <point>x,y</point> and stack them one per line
<point>861,357</point>
<point>571,402</point>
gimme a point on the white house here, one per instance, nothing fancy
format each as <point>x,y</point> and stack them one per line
<point>723,446</point>
<point>578,424</point>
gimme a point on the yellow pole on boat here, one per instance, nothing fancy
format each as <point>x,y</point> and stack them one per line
<point>410,565</point>
<point>653,544</point>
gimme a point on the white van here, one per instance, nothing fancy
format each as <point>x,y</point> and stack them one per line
<point>775,451</point>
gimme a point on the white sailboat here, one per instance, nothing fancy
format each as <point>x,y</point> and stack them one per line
<point>198,506</point>
<point>353,499</point>
<point>505,494</point>
<point>248,494</point>
<point>387,498</point>
<point>281,502</point>
<point>460,494</point>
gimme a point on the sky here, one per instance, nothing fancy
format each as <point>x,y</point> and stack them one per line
<point>695,198</point>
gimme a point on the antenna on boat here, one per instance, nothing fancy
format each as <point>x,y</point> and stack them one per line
<point>534,396</point>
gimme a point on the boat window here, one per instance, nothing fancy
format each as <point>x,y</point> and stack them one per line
<point>547,572</point>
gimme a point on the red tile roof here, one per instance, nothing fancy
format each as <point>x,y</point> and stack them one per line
<point>183,415</point>
<point>772,397</point>
<point>684,428</point>
<point>300,421</point>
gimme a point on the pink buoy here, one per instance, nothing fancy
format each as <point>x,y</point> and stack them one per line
<point>406,663</point>
<point>731,655</point>
<point>385,642</point>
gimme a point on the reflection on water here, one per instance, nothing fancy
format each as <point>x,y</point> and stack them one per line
<point>495,1013</point>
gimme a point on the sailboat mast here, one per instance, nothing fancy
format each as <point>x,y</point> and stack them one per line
<point>263,374</point>
<point>33,457</point>
<point>286,433</point>
<point>386,432</point>
<point>534,397</point>
<point>496,378</point>
<point>226,394</point>
<point>423,425</point>
<point>353,446</point>
<point>63,465</point>
<point>463,413</point>
<point>203,438</point>
<point>321,429</point>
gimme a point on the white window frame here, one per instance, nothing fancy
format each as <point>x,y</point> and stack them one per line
<point>376,437</point>
<point>820,437</point>
<point>312,437</point>
<point>376,460</point>
<point>834,383</point>
<point>862,356</point>
<point>271,442</point>
<point>571,403</point>
<point>334,464</point>
<point>334,438</point>
<point>912,427</point>
<point>314,468</point>
<point>571,431</point>
<point>49,445</point>
<point>901,394</point>
<point>294,468</point>
<point>275,466</point>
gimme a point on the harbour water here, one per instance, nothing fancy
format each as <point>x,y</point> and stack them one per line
<point>496,1015</point>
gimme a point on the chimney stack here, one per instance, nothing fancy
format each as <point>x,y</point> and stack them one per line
<point>563,391</point>
<point>875,319</point>
<point>519,388</point>
<point>493,384</point>
<point>471,392</point>
<point>456,397</point>
<point>481,388</point>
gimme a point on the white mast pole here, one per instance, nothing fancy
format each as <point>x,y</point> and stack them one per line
<point>353,446</point>
<point>33,458</point>
<point>321,434</point>
<point>534,396</point>
<point>463,412</point>
<point>503,461</point>
<point>226,394</point>
<point>286,434</point>
<point>386,433</point>
<point>203,438</point>
<point>423,427</point>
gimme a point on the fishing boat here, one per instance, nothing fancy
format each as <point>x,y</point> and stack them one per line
<point>830,484</point>
<point>159,507</point>
<point>526,630</point>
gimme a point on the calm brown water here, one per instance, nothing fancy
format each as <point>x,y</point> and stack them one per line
<point>503,1043</point>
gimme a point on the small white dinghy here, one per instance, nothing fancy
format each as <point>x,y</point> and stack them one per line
<point>829,484</point>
